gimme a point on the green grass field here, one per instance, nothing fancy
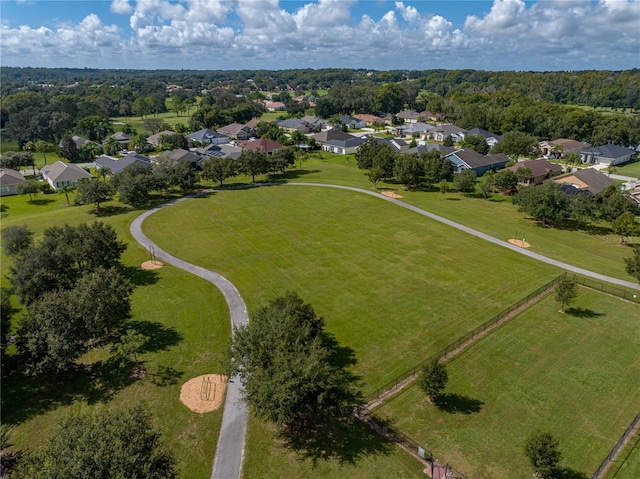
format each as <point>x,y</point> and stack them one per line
<point>629,169</point>
<point>187,320</point>
<point>138,123</point>
<point>627,466</point>
<point>575,374</point>
<point>382,276</point>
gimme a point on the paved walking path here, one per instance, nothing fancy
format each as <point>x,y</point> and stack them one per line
<point>479,234</point>
<point>229,454</point>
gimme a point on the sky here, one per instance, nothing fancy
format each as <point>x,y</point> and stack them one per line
<point>517,35</point>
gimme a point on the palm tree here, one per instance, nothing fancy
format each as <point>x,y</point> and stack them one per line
<point>611,169</point>
<point>66,189</point>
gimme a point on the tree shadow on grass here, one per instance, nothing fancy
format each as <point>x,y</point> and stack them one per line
<point>160,336</point>
<point>583,313</point>
<point>165,376</point>
<point>107,211</point>
<point>41,202</point>
<point>341,356</point>
<point>345,439</point>
<point>293,174</point>
<point>449,198</point>
<point>568,473</point>
<point>139,276</point>
<point>457,404</point>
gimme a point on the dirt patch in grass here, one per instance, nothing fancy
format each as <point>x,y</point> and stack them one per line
<point>204,393</point>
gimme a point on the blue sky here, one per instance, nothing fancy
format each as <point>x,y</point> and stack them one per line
<point>376,34</point>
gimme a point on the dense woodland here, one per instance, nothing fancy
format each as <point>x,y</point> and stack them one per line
<point>46,104</point>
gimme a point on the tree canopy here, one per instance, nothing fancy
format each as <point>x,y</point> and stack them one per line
<point>288,366</point>
<point>116,442</point>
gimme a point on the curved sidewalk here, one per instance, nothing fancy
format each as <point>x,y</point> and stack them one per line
<point>486,237</point>
<point>227,463</point>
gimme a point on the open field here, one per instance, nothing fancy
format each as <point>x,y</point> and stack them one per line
<point>383,277</point>
<point>187,320</point>
<point>575,374</point>
<point>138,123</point>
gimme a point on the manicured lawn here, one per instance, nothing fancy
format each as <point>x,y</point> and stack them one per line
<point>627,466</point>
<point>138,123</point>
<point>362,455</point>
<point>629,169</point>
<point>272,115</point>
<point>391,284</point>
<point>575,374</point>
<point>187,320</point>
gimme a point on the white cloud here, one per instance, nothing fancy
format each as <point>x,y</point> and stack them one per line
<point>121,7</point>
<point>548,34</point>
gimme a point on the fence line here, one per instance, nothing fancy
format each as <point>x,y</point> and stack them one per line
<point>607,288</point>
<point>616,449</point>
<point>462,340</point>
<point>392,433</point>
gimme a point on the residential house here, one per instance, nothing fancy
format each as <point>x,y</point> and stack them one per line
<point>428,147</point>
<point>352,123</point>
<point>397,145</point>
<point>238,131</point>
<point>253,123</point>
<point>410,116</point>
<point>430,116</point>
<point>466,158</point>
<point>179,155</point>
<point>565,145</point>
<point>154,140</point>
<point>116,165</point>
<point>265,146</point>
<point>61,174</point>
<point>541,170</point>
<point>79,141</point>
<point>9,181</point>
<point>334,134</point>
<point>414,130</point>
<point>490,138</point>
<point>275,106</point>
<point>218,151</point>
<point>587,181</point>
<point>439,133</point>
<point>608,154</point>
<point>209,136</point>
<point>372,120</point>
<point>343,147</point>
<point>123,139</point>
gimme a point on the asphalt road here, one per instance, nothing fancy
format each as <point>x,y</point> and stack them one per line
<point>227,463</point>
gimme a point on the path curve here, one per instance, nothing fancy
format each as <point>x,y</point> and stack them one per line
<point>227,463</point>
<point>479,234</point>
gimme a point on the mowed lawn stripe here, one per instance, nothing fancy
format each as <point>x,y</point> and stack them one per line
<point>575,375</point>
<point>394,286</point>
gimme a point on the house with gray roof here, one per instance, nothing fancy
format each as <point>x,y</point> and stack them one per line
<point>352,123</point>
<point>418,129</point>
<point>209,136</point>
<point>410,116</point>
<point>178,155</point>
<point>328,135</point>
<point>428,147</point>
<point>587,181</point>
<point>343,147</point>
<point>9,181</point>
<point>439,133</point>
<point>608,154</point>
<point>226,150</point>
<point>238,131</point>
<point>123,139</point>
<point>467,158</point>
<point>490,138</point>
<point>116,165</point>
<point>154,140</point>
<point>61,174</point>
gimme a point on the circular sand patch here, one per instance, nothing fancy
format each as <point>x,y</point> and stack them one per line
<point>151,265</point>
<point>204,393</point>
<point>521,243</point>
<point>391,194</point>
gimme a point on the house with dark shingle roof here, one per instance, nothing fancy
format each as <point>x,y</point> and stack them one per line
<point>154,140</point>
<point>410,116</point>
<point>178,155</point>
<point>329,135</point>
<point>418,129</point>
<point>116,165</point>
<point>566,145</point>
<point>609,154</point>
<point>61,174</point>
<point>209,136</point>
<point>352,122</point>
<point>586,181</point>
<point>467,158</point>
<point>490,138</point>
<point>426,148</point>
<point>541,170</point>
<point>343,147</point>
<point>123,139</point>
<point>9,181</point>
<point>440,132</point>
<point>238,131</point>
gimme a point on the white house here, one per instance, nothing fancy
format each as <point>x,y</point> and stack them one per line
<point>61,174</point>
